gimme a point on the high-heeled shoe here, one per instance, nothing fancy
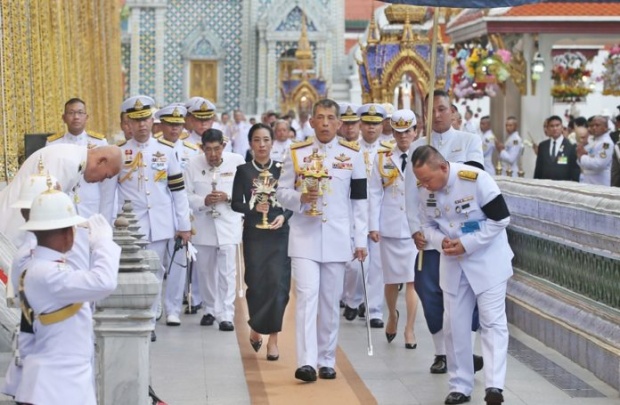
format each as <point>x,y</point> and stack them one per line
<point>256,344</point>
<point>391,336</point>
<point>410,345</point>
<point>272,357</point>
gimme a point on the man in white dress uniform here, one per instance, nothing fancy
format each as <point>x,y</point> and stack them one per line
<point>55,301</point>
<point>319,245</point>
<point>218,228</point>
<point>464,216</point>
<point>152,180</point>
<point>511,151</point>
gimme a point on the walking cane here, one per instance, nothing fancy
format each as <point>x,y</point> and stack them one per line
<point>241,268</point>
<point>367,309</point>
<point>190,267</point>
<point>178,244</point>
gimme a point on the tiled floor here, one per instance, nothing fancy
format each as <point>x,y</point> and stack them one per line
<point>194,365</point>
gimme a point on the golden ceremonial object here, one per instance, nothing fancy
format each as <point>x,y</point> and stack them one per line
<point>264,192</point>
<point>216,171</point>
<point>314,177</point>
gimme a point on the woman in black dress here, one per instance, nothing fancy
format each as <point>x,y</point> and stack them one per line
<point>265,251</point>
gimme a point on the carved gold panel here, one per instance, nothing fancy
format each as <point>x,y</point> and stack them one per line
<point>51,51</point>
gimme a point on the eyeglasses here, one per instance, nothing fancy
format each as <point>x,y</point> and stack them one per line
<point>76,113</point>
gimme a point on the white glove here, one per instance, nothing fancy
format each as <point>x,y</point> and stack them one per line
<point>99,230</point>
<point>191,252</point>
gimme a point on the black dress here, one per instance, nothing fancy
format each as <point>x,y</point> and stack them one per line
<point>265,253</point>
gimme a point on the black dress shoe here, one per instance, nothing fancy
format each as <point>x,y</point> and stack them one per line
<point>478,363</point>
<point>361,311</point>
<point>349,313</point>
<point>376,323</point>
<point>153,336</point>
<point>305,373</point>
<point>207,320</point>
<point>227,326</point>
<point>193,310</point>
<point>439,365</point>
<point>327,373</point>
<point>411,345</point>
<point>456,398</point>
<point>494,396</point>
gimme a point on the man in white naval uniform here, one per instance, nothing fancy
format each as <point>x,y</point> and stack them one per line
<point>595,157</point>
<point>457,146</point>
<point>281,142</point>
<point>319,246</point>
<point>172,118</point>
<point>90,198</point>
<point>218,227</point>
<point>55,301</point>
<point>510,152</point>
<point>371,117</point>
<point>152,180</point>
<point>200,117</point>
<point>464,216</point>
<point>69,164</point>
<point>488,144</point>
<point>387,223</point>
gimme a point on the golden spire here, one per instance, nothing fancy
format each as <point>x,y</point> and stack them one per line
<point>374,36</point>
<point>408,35</point>
<point>303,54</point>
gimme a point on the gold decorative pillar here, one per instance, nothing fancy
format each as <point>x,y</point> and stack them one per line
<point>51,51</point>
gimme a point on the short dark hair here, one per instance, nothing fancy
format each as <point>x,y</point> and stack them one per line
<point>486,117</point>
<point>326,103</point>
<point>454,108</point>
<point>554,118</point>
<point>511,118</point>
<point>212,135</point>
<point>426,154</point>
<point>438,93</point>
<point>73,101</point>
<point>258,126</point>
<point>581,122</point>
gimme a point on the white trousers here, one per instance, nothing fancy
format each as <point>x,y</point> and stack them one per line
<point>354,290</point>
<point>175,282</point>
<point>158,247</point>
<point>318,287</point>
<point>493,335</point>
<point>216,267</point>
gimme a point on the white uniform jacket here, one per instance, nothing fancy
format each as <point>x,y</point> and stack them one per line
<point>59,370</point>
<point>488,147</point>
<point>386,195</point>
<point>238,138</point>
<point>65,162</point>
<point>596,165</point>
<point>225,229</point>
<point>510,156</point>
<point>280,150</point>
<point>89,198</point>
<point>455,146</point>
<point>184,151</point>
<point>326,238</point>
<point>151,178</point>
<point>456,212</point>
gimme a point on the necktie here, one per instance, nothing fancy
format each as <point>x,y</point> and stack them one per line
<point>553,149</point>
<point>404,164</point>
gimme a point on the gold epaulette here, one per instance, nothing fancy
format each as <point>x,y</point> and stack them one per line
<point>158,135</point>
<point>468,175</point>
<point>121,143</point>
<point>354,145</point>
<point>165,142</point>
<point>54,137</point>
<point>384,150</point>
<point>388,144</point>
<point>96,135</point>
<point>190,145</point>
<point>184,135</point>
<point>301,144</point>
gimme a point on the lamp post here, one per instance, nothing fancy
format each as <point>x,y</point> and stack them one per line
<point>537,68</point>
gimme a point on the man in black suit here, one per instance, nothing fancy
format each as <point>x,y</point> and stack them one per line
<point>556,159</point>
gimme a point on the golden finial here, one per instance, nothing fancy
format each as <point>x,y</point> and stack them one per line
<point>303,54</point>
